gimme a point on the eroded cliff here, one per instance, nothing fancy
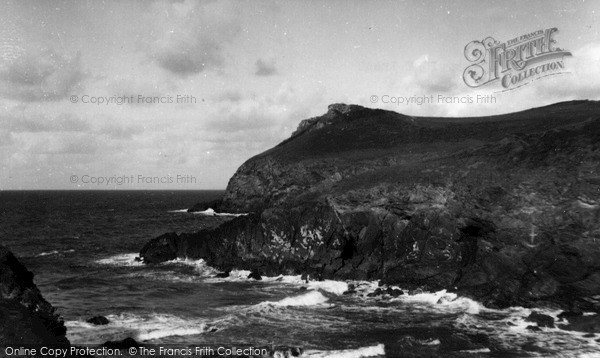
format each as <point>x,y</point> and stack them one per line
<point>504,208</point>
<point>26,317</point>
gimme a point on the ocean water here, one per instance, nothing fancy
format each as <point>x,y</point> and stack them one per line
<point>82,245</point>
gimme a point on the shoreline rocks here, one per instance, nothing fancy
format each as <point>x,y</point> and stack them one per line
<point>541,320</point>
<point>98,321</point>
<point>502,209</point>
<point>255,275</point>
<point>27,318</point>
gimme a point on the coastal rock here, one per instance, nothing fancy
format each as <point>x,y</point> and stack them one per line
<point>582,323</point>
<point>285,351</point>
<point>27,318</point>
<point>335,111</point>
<point>162,249</point>
<point>98,321</point>
<point>394,292</point>
<point>460,341</point>
<point>574,312</point>
<point>503,209</point>
<point>122,344</point>
<point>255,275</point>
<point>542,320</point>
<point>377,292</point>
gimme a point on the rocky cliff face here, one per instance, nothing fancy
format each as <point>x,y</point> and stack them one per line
<point>26,318</point>
<point>504,209</point>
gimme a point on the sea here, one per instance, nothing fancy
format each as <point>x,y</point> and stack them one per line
<point>82,247</point>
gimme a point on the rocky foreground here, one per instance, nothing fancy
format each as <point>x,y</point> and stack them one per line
<point>26,318</point>
<point>504,209</point>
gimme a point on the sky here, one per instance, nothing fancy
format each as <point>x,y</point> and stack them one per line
<point>210,84</point>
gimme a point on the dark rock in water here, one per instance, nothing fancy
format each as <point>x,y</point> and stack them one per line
<point>460,341</point>
<point>285,351</point>
<point>123,344</point>
<point>26,317</point>
<point>582,323</point>
<point>533,328</point>
<point>98,320</point>
<point>351,290</point>
<point>223,274</point>
<point>394,292</point>
<point>314,276</point>
<point>369,194</point>
<point>569,314</point>
<point>532,347</point>
<point>255,275</point>
<point>377,292</point>
<point>479,338</point>
<point>296,351</point>
<point>542,320</point>
<point>161,249</point>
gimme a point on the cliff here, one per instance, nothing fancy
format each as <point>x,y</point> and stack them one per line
<point>502,208</point>
<point>26,317</point>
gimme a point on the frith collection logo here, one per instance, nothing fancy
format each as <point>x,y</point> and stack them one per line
<point>516,62</point>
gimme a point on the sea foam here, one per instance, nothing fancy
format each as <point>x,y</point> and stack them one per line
<point>444,301</point>
<point>199,266</point>
<point>121,260</point>
<point>363,352</point>
<point>331,286</point>
<point>207,212</point>
<point>139,327</point>
<point>55,252</point>
<point>311,298</point>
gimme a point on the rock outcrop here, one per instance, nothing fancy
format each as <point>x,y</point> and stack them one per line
<point>26,317</point>
<point>505,209</point>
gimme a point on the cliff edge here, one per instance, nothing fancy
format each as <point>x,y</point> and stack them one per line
<point>26,317</point>
<point>503,208</point>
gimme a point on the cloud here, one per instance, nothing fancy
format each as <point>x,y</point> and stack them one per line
<point>33,145</point>
<point>265,67</point>
<point>119,132</point>
<point>188,37</point>
<point>5,138</point>
<point>262,121</point>
<point>583,81</point>
<point>36,124</point>
<point>230,96</point>
<point>44,75</point>
<point>432,76</point>
<point>77,145</point>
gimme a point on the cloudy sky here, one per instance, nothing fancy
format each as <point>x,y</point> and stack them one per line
<point>254,68</point>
